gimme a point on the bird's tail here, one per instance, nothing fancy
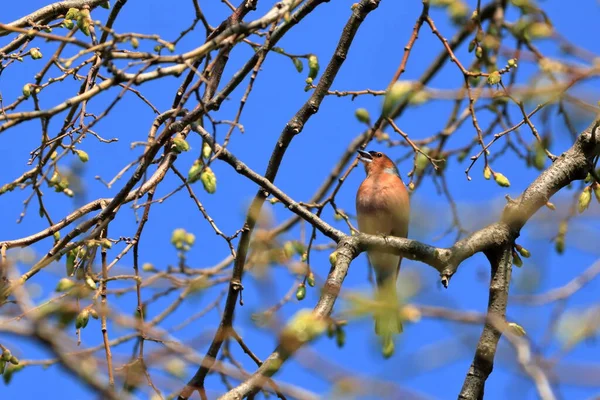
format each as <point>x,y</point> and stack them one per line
<point>388,322</point>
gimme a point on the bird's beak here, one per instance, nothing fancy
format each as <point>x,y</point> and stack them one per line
<point>364,156</point>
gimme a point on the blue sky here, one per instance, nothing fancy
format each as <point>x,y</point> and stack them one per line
<point>277,95</point>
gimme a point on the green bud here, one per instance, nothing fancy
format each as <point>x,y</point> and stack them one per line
<point>474,80</point>
<point>176,367</point>
<point>64,285</point>
<point>170,47</point>
<point>206,150</point>
<point>487,173</point>
<point>82,319</point>
<point>27,90</point>
<point>36,54</point>
<point>148,267</point>
<point>539,30</point>
<point>395,95</point>
<point>597,191</point>
<point>105,243</point>
<point>288,249</point>
<point>310,279</point>
<point>494,78</point>
<point>273,200</point>
<point>180,144</point>
<point>457,10</point>
<point>56,236</point>
<point>584,199</point>
<point>299,247</point>
<point>472,45</point>
<point>190,238</point>
<point>331,329</point>
<point>411,186</point>
<point>562,228</point>
<point>157,48</point>
<point>93,313</point>
<point>194,172</point>
<point>523,251</point>
<point>520,3</point>
<point>512,63</point>
<point>363,115</point>
<point>73,13</point>
<point>516,329</point>
<point>134,42</point>
<point>422,161</point>
<point>313,66</point>
<point>70,262</point>
<point>14,360</point>
<point>67,23</point>
<point>479,52</point>
<point>6,355</point>
<point>303,327</point>
<point>501,179</point>
<point>517,260</point>
<point>381,137</point>
<point>83,156</point>
<point>106,5</point>
<point>84,21</point>
<point>298,64</point>
<point>301,292</point>
<point>209,180</point>
<point>90,282</point>
<point>68,192</point>
<point>55,179</point>
<point>10,370</point>
<point>551,206</point>
<point>304,257</point>
<point>309,81</point>
<point>560,237</point>
<point>178,236</point>
<point>333,258</point>
<point>388,348</point>
<point>340,337</point>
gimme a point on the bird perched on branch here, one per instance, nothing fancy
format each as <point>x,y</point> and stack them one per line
<point>383,208</point>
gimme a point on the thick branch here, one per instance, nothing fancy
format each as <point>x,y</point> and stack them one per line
<point>483,363</point>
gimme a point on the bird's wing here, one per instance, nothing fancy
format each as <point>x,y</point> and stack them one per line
<point>399,209</point>
<point>397,203</point>
<point>384,210</point>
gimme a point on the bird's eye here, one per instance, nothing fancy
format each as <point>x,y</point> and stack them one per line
<point>379,155</point>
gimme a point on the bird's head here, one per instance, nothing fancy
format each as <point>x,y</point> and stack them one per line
<point>377,162</point>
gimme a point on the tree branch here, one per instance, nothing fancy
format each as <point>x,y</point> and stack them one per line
<point>51,11</point>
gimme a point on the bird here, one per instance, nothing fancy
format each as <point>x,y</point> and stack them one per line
<point>383,208</point>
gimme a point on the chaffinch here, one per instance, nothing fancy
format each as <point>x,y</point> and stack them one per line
<point>383,208</point>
